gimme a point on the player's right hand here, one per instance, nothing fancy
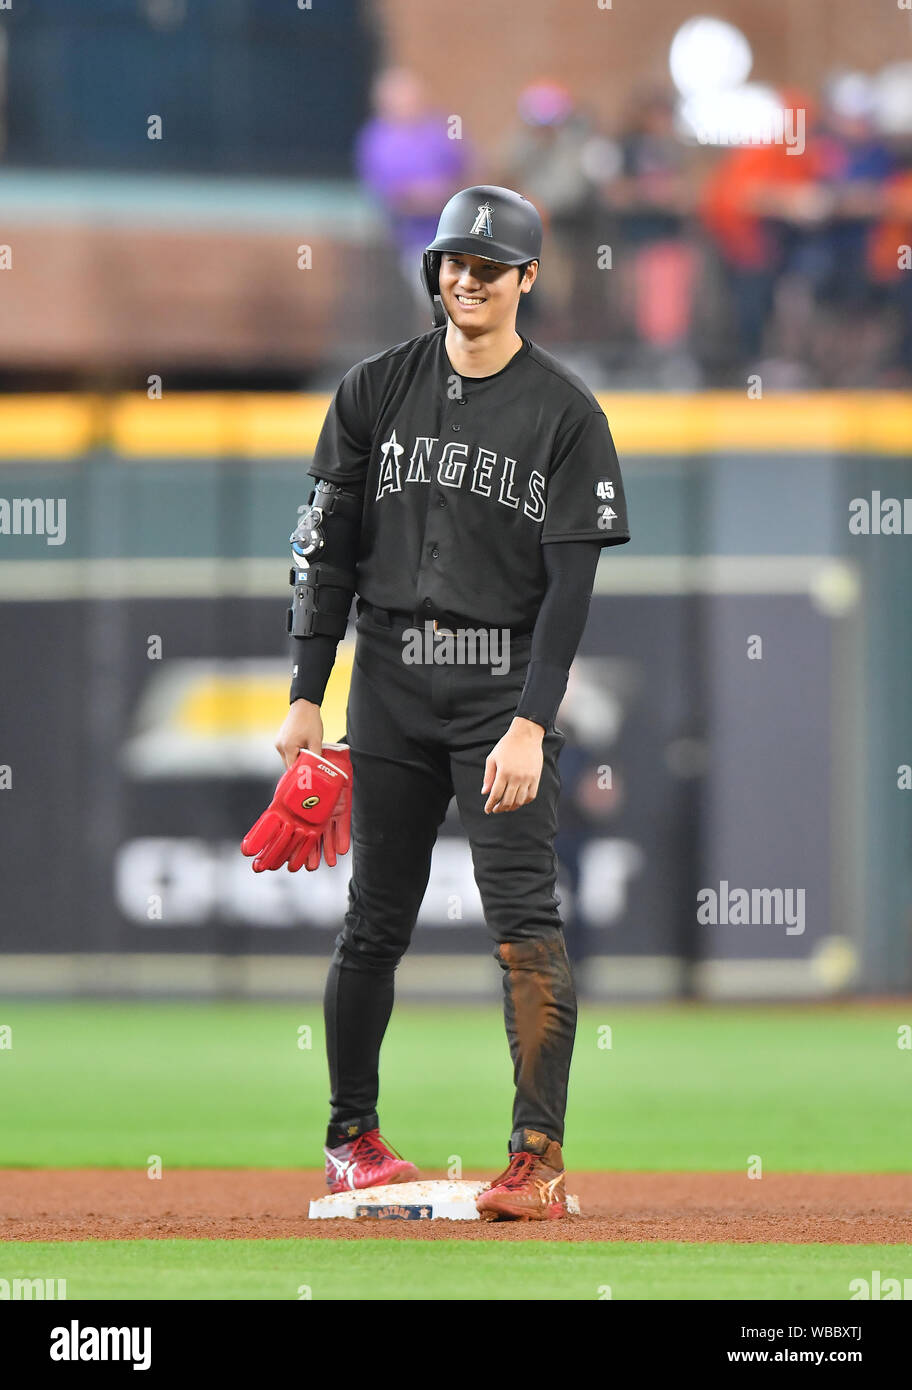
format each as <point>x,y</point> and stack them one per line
<point>292,828</point>
<point>303,728</point>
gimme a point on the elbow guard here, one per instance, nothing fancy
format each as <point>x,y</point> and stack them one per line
<point>324,550</point>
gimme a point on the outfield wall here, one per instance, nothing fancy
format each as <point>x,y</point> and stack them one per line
<point>145,672</point>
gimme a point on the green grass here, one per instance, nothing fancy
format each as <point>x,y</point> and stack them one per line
<point>226,1085</point>
<point>448,1269</point>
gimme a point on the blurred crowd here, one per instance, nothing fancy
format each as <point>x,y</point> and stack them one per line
<point>671,261</point>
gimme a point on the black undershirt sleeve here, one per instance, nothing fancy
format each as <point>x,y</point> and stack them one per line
<point>570,567</point>
<point>314,658</point>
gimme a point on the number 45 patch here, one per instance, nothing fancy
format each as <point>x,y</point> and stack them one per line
<point>604,488</point>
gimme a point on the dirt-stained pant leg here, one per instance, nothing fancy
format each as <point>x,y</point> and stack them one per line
<point>516,872</point>
<point>401,791</point>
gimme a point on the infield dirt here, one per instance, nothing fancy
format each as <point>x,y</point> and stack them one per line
<point>118,1204</point>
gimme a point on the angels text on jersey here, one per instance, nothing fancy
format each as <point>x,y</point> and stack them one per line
<point>486,473</point>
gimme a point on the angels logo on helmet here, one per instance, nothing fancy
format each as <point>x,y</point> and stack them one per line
<point>482,225</point>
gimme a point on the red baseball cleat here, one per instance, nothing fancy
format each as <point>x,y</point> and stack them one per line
<point>531,1188</point>
<point>367,1161</point>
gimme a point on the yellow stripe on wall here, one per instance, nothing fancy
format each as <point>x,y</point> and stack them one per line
<point>851,422</point>
<point>49,427</point>
<point>259,425</point>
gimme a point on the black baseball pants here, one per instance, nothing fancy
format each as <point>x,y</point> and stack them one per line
<point>420,734</point>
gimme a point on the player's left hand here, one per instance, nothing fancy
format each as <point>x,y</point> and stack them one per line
<point>513,768</point>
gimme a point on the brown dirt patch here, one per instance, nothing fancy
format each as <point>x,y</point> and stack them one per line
<point>113,1204</point>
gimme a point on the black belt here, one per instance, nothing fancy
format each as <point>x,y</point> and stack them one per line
<point>443,622</point>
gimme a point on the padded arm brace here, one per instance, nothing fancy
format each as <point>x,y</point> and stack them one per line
<point>324,547</point>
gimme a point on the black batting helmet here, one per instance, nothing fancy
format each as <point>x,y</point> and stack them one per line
<point>487,221</point>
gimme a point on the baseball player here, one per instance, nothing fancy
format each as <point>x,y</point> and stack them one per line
<point>465,483</point>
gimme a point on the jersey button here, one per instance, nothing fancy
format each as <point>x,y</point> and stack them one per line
<point>435,553</point>
<point>441,501</point>
<point>455,427</point>
<point>427,603</point>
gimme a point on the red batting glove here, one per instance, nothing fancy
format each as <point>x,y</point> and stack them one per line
<point>293,825</point>
<point>336,838</point>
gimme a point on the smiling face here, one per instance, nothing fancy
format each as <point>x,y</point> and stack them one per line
<point>482,296</point>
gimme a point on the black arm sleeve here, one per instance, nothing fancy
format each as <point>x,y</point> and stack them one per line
<point>570,568</point>
<point>314,658</point>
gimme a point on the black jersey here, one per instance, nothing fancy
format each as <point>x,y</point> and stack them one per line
<point>465,478</point>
